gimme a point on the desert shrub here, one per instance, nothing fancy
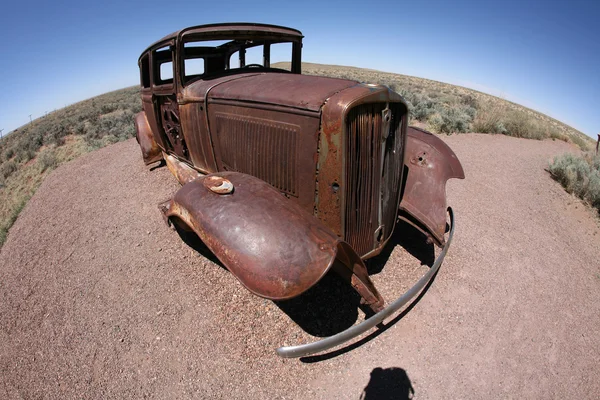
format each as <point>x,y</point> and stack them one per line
<point>8,154</point>
<point>108,108</point>
<point>56,134</point>
<point>519,124</point>
<point>451,120</point>
<point>7,168</point>
<point>555,133</point>
<point>24,155</point>
<point>579,175</point>
<point>469,100</point>
<point>47,160</point>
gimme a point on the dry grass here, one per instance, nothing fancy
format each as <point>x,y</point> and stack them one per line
<point>30,153</point>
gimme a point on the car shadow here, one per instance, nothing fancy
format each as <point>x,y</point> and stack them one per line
<point>325,309</point>
<point>409,238</point>
<point>388,383</point>
<point>191,239</point>
<point>381,328</point>
<point>158,165</point>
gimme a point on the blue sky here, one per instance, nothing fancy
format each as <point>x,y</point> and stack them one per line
<point>542,54</point>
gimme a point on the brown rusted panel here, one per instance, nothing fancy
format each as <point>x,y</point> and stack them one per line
<point>150,150</point>
<point>263,148</point>
<point>430,164</point>
<point>260,147</point>
<point>193,124</point>
<point>273,246</point>
<point>149,108</point>
<point>291,90</point>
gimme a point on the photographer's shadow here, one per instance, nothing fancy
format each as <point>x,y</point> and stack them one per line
<point>388,383</point>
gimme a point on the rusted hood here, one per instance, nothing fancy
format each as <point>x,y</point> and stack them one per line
<point>291,90</point>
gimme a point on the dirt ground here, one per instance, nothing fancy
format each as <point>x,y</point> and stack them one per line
<point>99,299</point>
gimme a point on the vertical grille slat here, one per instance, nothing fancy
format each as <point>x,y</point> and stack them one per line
<point>367,187</point>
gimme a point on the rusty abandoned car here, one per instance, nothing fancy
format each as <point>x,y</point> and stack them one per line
<point>286,176</point>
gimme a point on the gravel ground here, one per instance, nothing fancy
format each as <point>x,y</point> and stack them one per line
<point>99,299</point>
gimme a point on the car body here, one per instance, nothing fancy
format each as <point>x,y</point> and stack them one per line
<point>286,176</point>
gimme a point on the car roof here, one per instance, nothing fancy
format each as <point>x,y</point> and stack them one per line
<point>223,29</point>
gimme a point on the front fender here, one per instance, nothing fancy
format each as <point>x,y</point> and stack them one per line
<point>430,163</point>
<point>268,242</point>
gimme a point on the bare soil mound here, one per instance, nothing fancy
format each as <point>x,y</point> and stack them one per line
<point>99,299</point>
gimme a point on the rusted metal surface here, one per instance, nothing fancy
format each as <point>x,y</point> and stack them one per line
<point>227,30</point>
<point>150,150</point>
<point>193,125</point>
<point>305,173</point>
<point>290,90</point>
<point>260,147</point>
<point>351,268</point>
<point>371,204</point>
<point>169,111</point>
<point>278,147</point>
<point>183,172</point>
<point>336,182</point>
<point>244,229</point>
<point>430,164</point>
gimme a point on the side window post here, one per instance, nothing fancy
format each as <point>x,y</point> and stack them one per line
<point>242,57</point>
<point>267,55</point>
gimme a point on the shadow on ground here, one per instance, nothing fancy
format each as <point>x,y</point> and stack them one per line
<point>413,241</point>
<point>388,383</point>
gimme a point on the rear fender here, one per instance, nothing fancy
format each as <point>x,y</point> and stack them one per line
<point>150,150</point>
<point>268,242</point>
<point>430,163</point>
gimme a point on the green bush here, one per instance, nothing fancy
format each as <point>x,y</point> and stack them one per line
<point>579,175</point>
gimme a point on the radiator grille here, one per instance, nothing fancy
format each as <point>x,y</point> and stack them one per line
<point>370,190</point>
<point>259,147</point>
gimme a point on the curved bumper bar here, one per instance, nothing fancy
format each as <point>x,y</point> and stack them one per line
<point>356,330</point>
